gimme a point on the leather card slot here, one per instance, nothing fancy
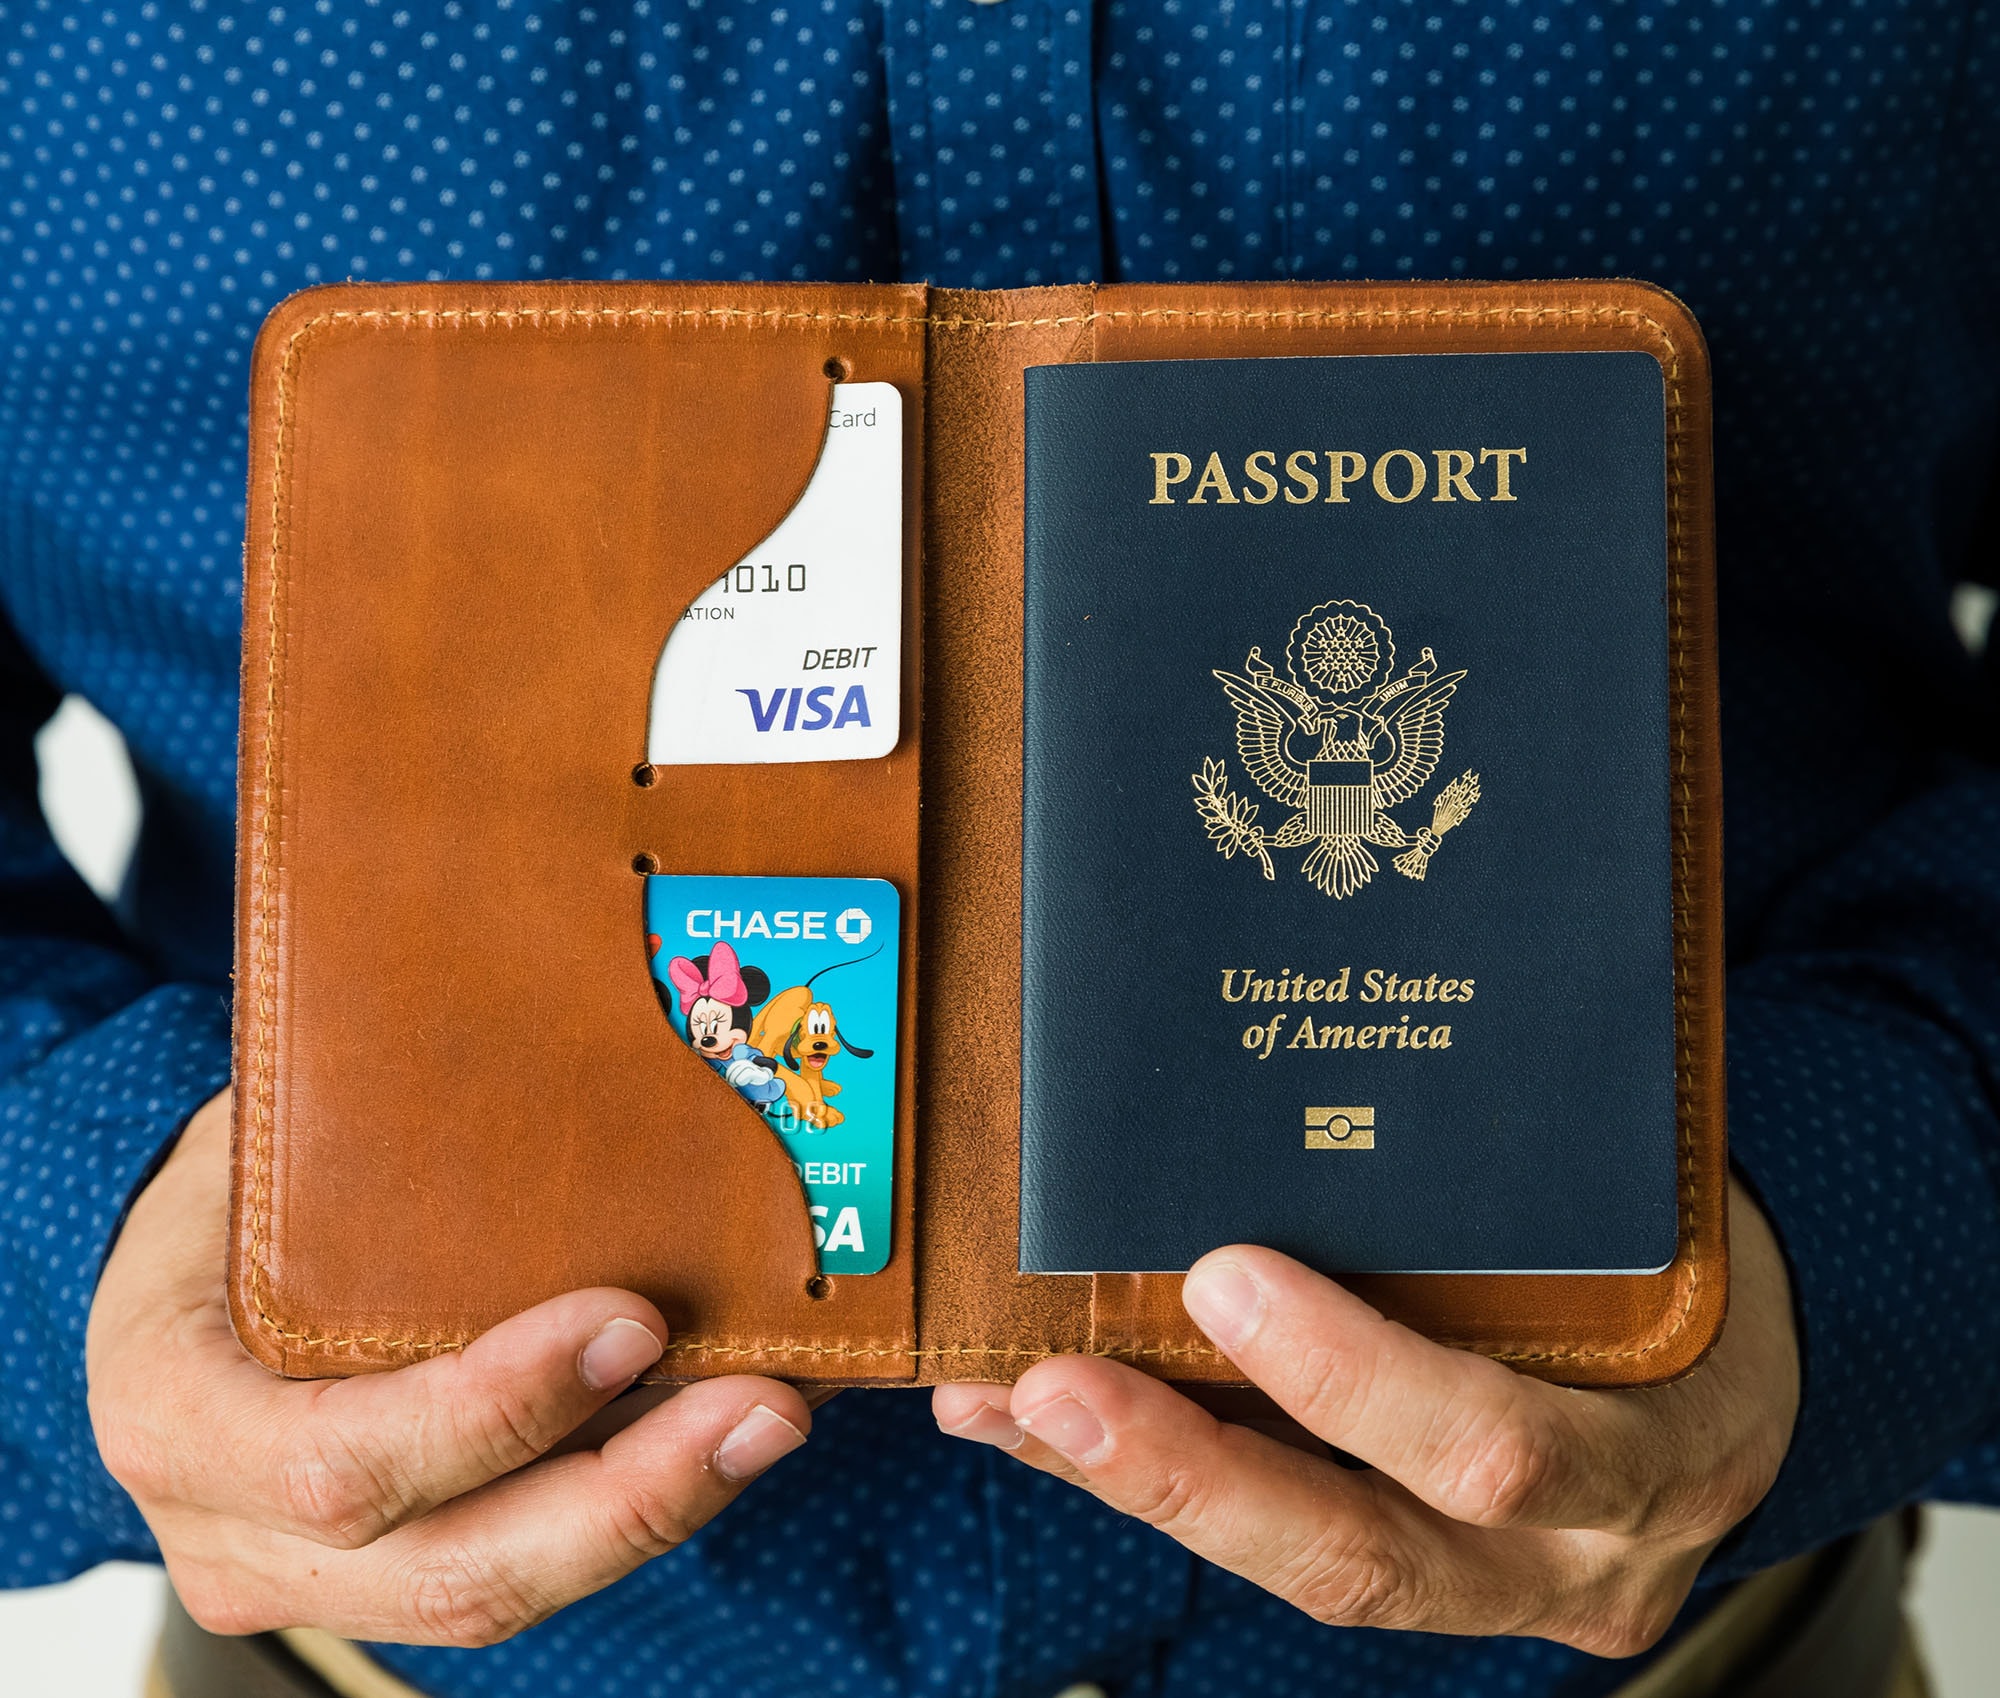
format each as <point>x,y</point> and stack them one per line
<point>816,819</point>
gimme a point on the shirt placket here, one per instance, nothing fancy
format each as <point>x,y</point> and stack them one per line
<point>996,163</point>
<point>994,145</point>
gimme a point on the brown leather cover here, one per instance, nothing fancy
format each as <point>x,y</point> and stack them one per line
<point>475,511</point>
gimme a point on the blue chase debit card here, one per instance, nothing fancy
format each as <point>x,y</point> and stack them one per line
<point>786,987</point>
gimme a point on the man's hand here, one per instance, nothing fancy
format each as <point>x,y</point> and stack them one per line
<point>1491,1503</point>
<point>420,1505</point>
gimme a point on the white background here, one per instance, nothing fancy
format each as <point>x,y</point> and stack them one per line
<point>92,1638</point>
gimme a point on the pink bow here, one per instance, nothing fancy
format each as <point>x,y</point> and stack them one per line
<point>724,982</point>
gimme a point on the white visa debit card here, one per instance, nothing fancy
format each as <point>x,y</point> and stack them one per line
<point>795,653</point>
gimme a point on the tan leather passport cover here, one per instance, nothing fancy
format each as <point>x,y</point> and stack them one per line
<point>475,512</point>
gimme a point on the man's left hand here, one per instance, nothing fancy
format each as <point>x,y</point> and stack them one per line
<point>1489,1503</point>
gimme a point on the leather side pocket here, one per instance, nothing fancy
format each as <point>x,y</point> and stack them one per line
<point>476,511</point>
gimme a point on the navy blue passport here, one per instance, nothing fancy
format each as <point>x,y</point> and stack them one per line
<point>1346,879</point>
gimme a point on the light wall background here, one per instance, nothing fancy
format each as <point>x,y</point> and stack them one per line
<point>92,1638</point>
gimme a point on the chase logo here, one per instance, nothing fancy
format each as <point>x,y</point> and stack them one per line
<point>820,713</point>
<point>850,925</point>
<point>1340,1128</point>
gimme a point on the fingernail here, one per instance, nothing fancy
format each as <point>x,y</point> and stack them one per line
<point>987,1425</point>
<point>1226,1303</point>
<point>755,1442</point>
<point>618,1351</point>
<point>1064,1425</point>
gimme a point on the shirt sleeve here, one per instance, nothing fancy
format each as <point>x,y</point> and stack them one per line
<point>1864,1099</point>
<point>101,1065</point>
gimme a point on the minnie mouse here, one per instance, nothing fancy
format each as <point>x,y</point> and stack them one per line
<point>717,994</point>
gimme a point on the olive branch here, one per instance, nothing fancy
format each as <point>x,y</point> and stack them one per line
<point>1231,821</point>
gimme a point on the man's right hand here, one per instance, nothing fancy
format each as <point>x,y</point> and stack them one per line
<point>419,1505</point>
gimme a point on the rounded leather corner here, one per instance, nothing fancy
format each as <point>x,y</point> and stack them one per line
<point>1674,316</point>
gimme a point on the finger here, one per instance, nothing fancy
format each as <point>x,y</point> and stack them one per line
<point>1349,1548</point>
<point>598,1430</point>
<point>622,1411</point>
<point>1467,1435</point>
<point>977,1411</point>
<point>993,1424</point>
<point>343,1462</point>
<point>498,1560</point>
<point>1248,1406</point>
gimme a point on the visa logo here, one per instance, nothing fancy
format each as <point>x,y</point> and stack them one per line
<point>820,714</point>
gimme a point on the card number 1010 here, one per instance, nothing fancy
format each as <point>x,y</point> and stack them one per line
<point>743,580</point>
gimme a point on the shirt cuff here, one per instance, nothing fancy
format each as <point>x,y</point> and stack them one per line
<point>81,1132</point>
<point>1863,1129</point>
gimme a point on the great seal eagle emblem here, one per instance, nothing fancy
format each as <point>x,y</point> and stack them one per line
<point>1340,741</point>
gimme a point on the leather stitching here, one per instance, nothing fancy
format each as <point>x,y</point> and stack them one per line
<point>270,813</point>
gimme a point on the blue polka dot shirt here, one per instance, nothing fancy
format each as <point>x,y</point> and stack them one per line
<point>1820,181</point>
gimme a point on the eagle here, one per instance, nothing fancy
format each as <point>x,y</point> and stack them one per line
<point>1341,763</point>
